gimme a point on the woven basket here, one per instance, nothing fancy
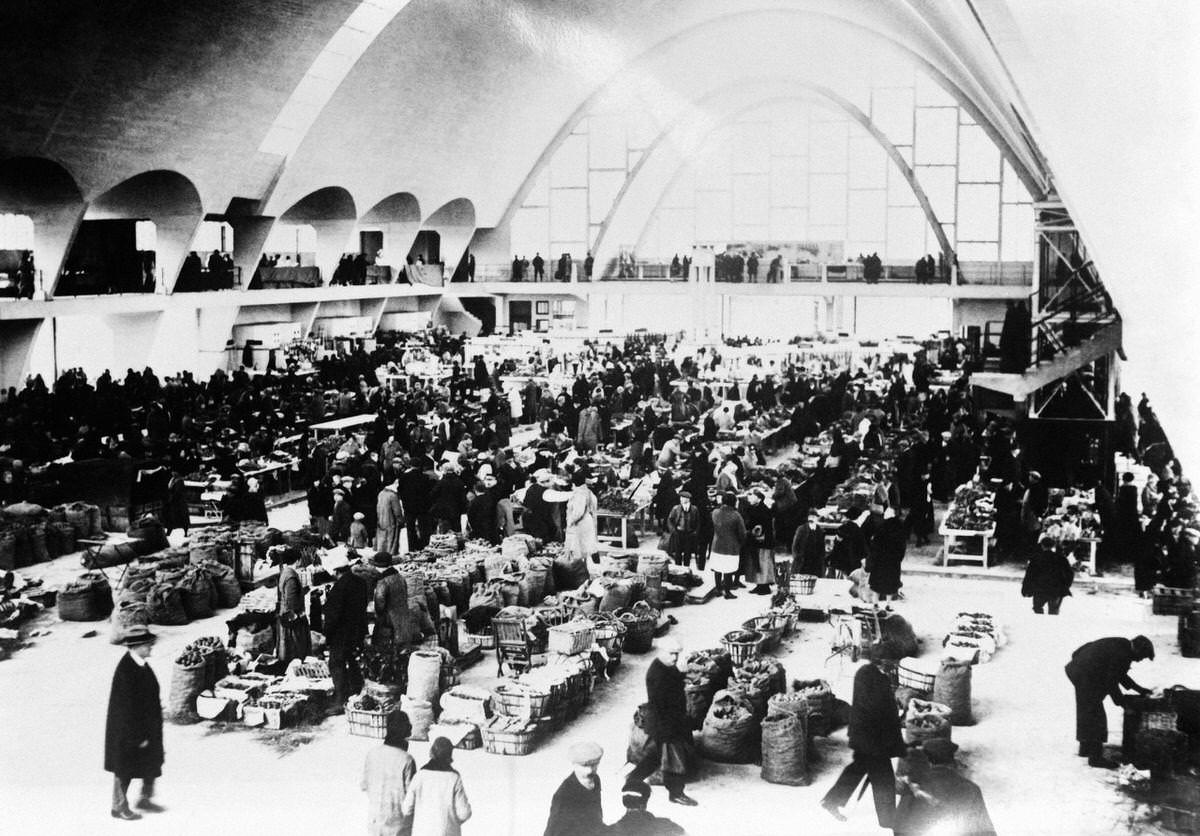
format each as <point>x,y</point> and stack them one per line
<point>369,723</point>
<point>639,636</point>
<point>802,584</point>
<point>741,651</point>
<point>770,626</point>
<point>486,641</point>
<point>512,699</point>
<point>509,742</point>
<point>914,678</point>
<point>571,638</point>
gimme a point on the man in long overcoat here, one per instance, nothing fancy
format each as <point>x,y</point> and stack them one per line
<point>345,616</point>
<point>133,739</point>
<point>389,515</point>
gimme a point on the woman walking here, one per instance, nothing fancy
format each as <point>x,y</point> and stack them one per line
<point>436,801</point>
<point>387,774</point>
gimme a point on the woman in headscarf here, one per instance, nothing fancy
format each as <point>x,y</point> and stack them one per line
<point>436,800</point>
<point>387,774</point>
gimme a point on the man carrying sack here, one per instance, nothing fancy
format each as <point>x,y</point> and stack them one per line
<point>874,739</point>
<point>133,739</point>
<point>667,726</point>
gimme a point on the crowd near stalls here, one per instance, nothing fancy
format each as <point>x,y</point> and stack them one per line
<point>469,499</point>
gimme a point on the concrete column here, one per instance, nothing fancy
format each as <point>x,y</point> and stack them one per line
<point>249,235</point>
<point>175,234</point>
<point>333,240</point>
<point>17,337</point>
<point>54,231</point>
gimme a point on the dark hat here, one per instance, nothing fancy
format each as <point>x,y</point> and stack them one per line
<point>1143,647</point>
<point>137,634</point>
<point>635,794</point>
<point>684,493</point>
<point>382,559</point>
<point>399,728</point>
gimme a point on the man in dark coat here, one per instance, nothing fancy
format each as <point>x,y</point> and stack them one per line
<point>345,617</point>
<point>133,742</point>
<point>667,725</point>
<point>808,548</point>
<point>449,498</point>
<point>482,516</point>
<point>575,809</point>
<point>1099,669</point>
<point>885,554</point>
<point>683,530</point>
<point>1048,578</point>
<point>875,739</point>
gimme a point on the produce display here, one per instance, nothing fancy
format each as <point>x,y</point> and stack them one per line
<point>615,501</point>
<point>973,509</point>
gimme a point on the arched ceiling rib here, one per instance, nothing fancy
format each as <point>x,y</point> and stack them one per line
<point>732,101</point>
<point>444,132</point>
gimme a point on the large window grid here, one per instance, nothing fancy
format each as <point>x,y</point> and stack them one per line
<point>798,171</point>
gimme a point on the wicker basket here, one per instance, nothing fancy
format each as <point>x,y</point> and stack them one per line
<point>512,699</point>
<point>486,641</point>
<point>509,742</point>
<point>571,638</point>
<point>742,650</point>
<point>914,678</point>
<point>639,636</point>
<point>771,628</point>
<point>365,723</point>
<point>385,692</point>
<point>1170,600</point>
<point>802,584</point>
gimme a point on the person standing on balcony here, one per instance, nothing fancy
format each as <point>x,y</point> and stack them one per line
<point>539,268</point>
<point>752,268</point>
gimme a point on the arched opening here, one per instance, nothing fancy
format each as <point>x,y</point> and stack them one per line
<point>310,239</point>
<point>209,265</point>
<point>386,234</point>
<point>17,273</point>
<point>44,193</point>
<point>112,254</point>
<point>443,242</point>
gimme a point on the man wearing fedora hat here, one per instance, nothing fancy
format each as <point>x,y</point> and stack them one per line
<point>133,744</point>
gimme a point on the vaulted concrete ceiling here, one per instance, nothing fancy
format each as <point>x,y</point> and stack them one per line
<point>460,99</point>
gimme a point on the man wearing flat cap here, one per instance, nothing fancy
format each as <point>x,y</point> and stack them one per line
<point>1099,669</point>
<point>683,530</point>
<point>133,740</point>
<point>575,809</point>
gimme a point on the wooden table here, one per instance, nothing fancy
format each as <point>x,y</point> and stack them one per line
<point>951,537</point>
<point>615,541</point>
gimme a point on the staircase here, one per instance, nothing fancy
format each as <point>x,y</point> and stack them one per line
<point>1077,325</point>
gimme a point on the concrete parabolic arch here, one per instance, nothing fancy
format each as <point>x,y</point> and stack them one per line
<point>331,213</point>
<point>654,161</point>
<point>166,198</point>
<point>398,216</point>
<point>455,223</point>
<point>49,195</point>
<point>989,115</point>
